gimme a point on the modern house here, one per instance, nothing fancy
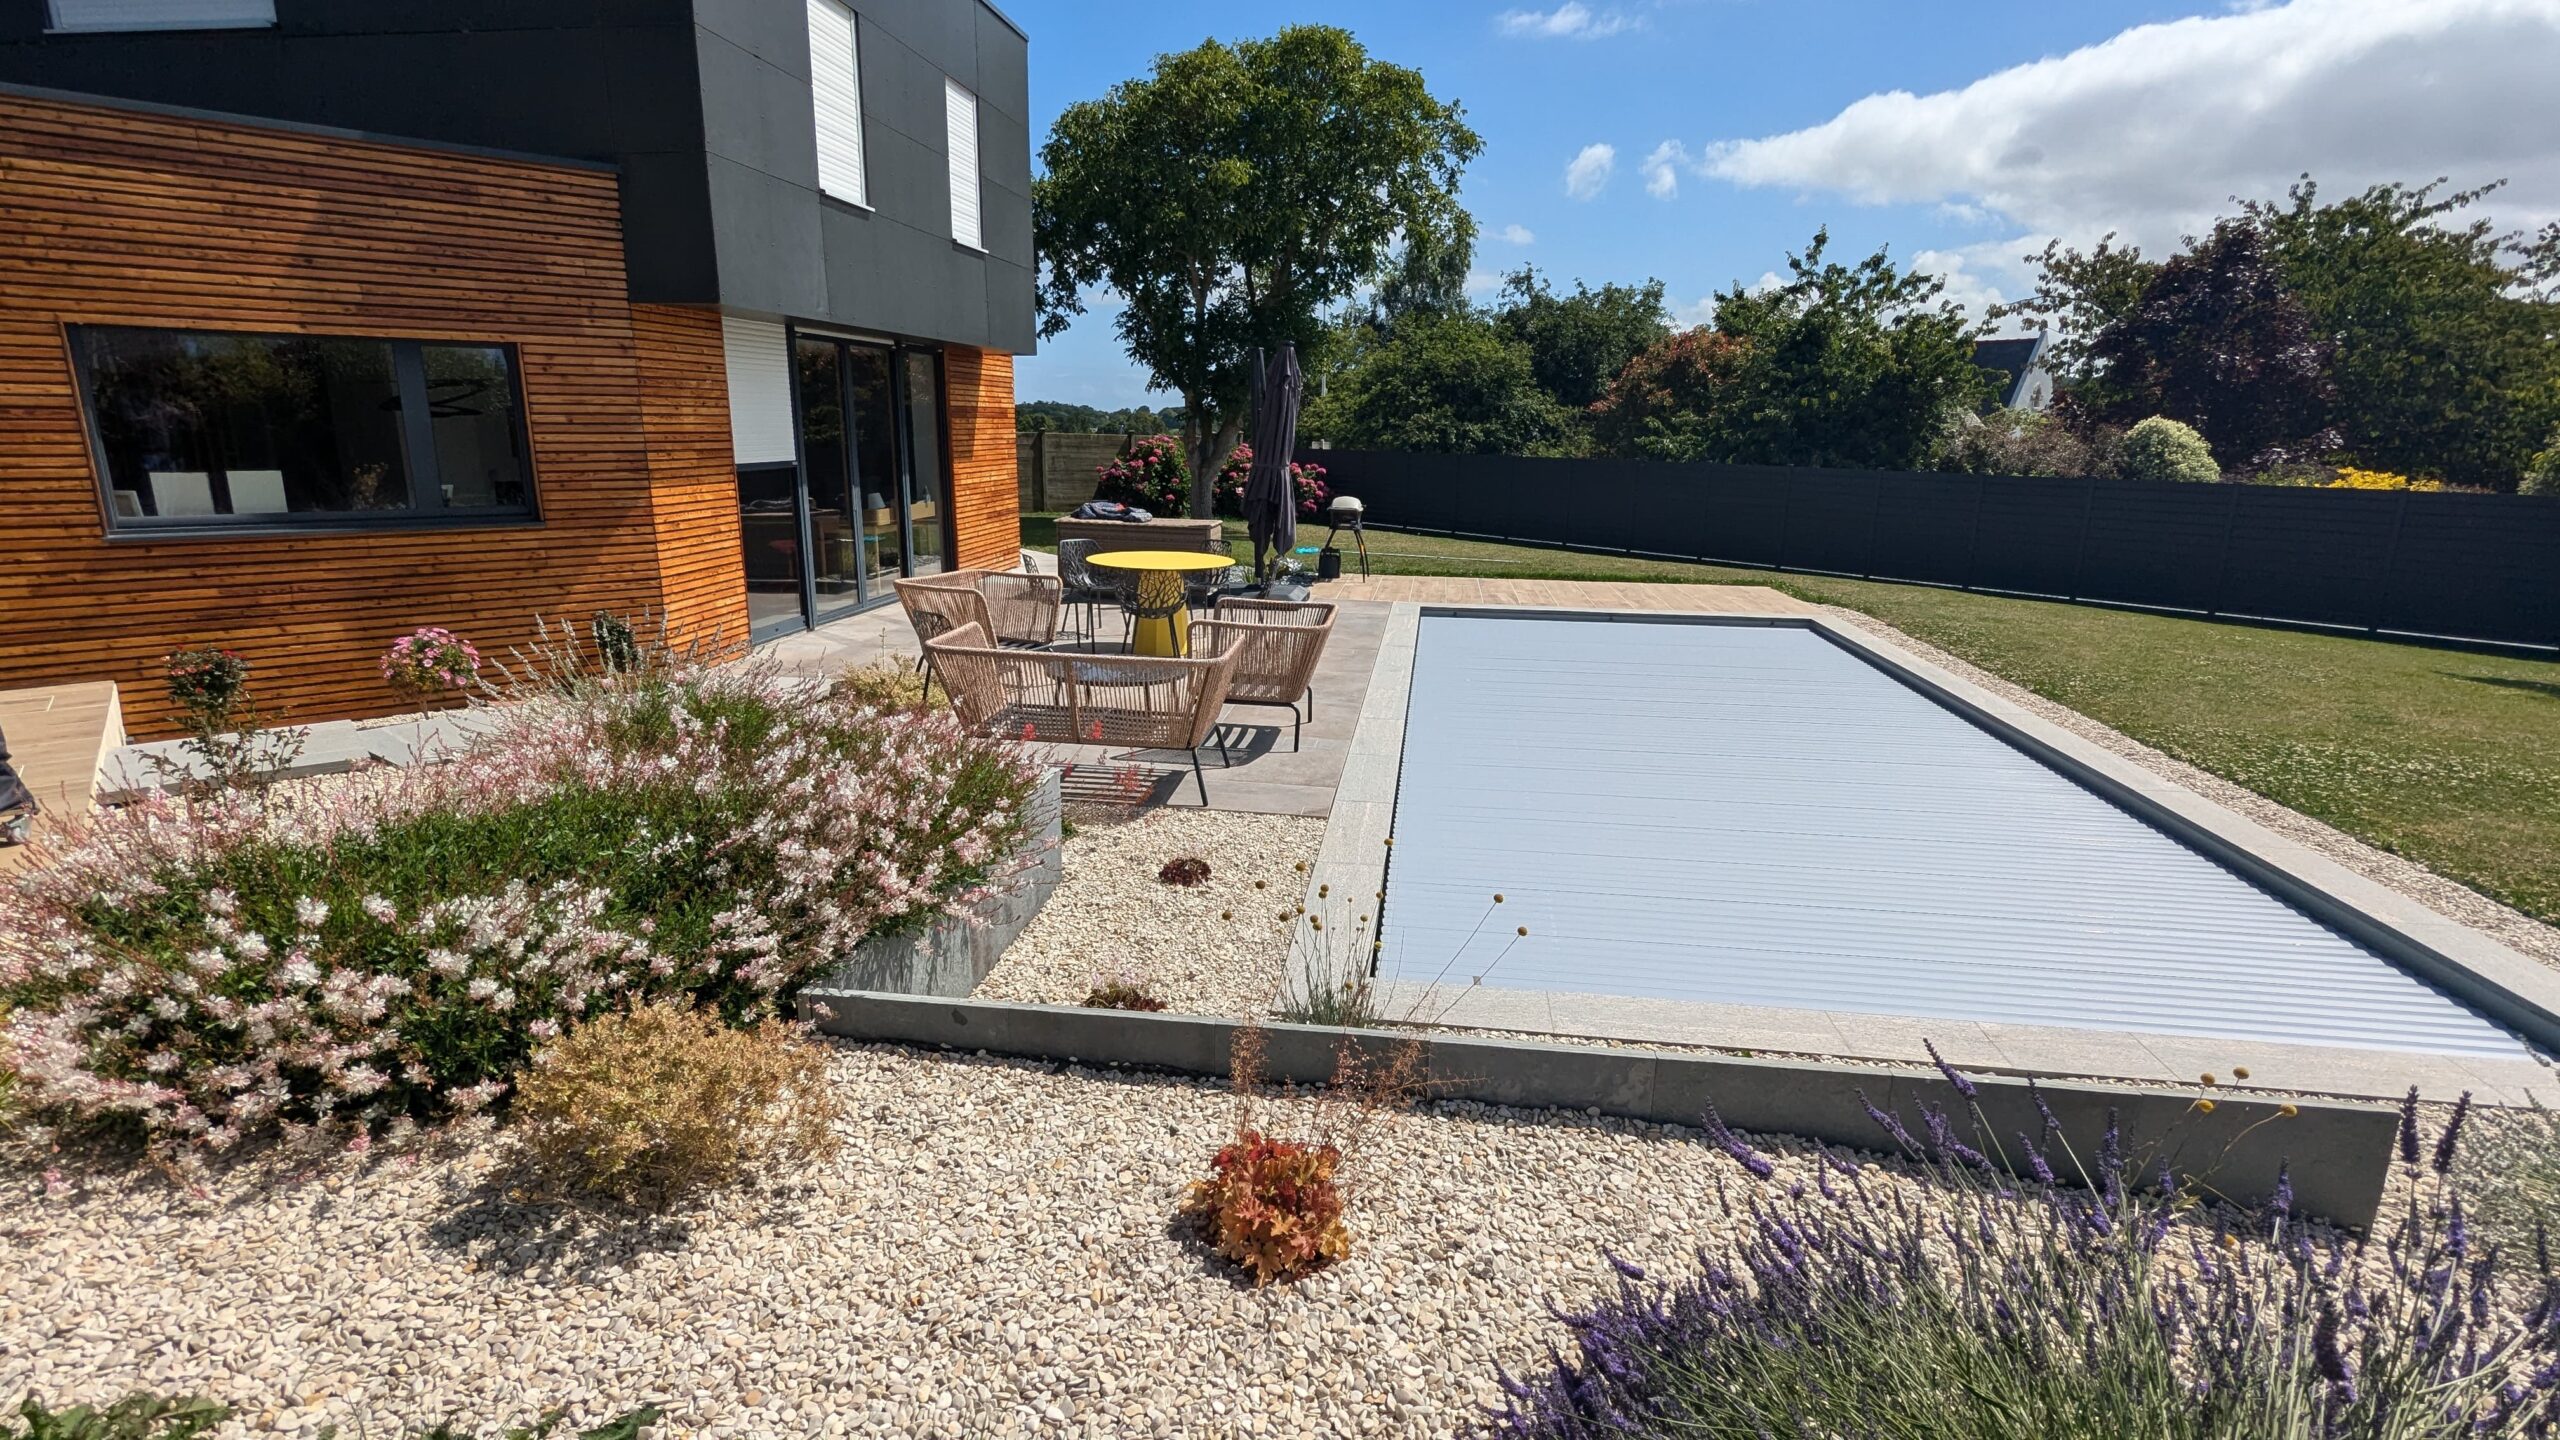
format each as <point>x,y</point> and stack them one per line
<point>322,321</point>
<point>2018,370</point>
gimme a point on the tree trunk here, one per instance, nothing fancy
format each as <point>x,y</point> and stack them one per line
<point>1208,459</point>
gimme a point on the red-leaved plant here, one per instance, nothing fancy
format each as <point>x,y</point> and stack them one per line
<point>1273,1206</point>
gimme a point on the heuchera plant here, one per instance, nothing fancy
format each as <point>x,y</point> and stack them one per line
<point>1272,1206</point>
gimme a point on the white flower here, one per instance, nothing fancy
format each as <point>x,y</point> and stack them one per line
<point>381,910</point>
<point>481,988</point>
<point>298,972</point>
<point>311,912</point>
<point>221,901</point>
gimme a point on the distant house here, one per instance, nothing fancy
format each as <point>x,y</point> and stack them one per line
<point>2017,368</point>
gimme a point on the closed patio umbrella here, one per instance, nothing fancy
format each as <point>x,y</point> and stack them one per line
<point>1270,497</point>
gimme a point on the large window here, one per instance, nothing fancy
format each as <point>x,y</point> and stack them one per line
<point>162,14</point>
<point>835,83</point>
<point>201,429</point>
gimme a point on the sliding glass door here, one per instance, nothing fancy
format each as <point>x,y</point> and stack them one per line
<point>868,502</point>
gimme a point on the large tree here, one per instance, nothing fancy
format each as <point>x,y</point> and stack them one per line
<point>1449,383</point>
<point>1671,401</point>
<point>1847,365</point>
<point>1579,342</point>
<point>2444,359</point>
<point>1232,196</point>
<point>2219,341</point>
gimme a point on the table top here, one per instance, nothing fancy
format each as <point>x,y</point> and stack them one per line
<point>1159,560</point>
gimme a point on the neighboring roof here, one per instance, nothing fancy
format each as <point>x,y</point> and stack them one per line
<point>2011,359</point>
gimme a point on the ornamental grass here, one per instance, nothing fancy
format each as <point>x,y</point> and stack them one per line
<point>392,946</point>
<point>2104,1302</point>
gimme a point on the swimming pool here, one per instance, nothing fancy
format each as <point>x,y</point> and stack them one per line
<point>1755,814</point>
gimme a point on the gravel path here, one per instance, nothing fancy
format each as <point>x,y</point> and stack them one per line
<point>993,1253</point>
<point>2450,898</point>
<point>1112,917</point>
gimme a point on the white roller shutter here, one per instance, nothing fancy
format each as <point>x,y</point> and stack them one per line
<point>963,126</point>
<point>835,83</point>
<point>162,14</point>
<point>759,356</point>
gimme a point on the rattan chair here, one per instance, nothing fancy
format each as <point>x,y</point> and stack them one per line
<point>1017,609</point>
<point>1276,644</point>
<point>1063,697</point>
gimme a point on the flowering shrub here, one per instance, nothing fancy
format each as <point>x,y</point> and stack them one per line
<point>2351,478</point>
<point>431,663</point>
<point>395,947</point>
<point>2044,1311</point>
<point>1152,476</point>
<point>651,1105</point>
<point>1272,1206</point>
<point>208,683</point>
<point>1308,480</point>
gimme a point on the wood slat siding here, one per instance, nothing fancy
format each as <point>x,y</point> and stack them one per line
<point>985,479</point>
<point>693,481</point>
<point>123,218</point>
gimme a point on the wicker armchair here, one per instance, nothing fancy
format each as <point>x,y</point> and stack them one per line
<point>1068,698</point>
<point>1016,609</point>
<point>1276,645</point>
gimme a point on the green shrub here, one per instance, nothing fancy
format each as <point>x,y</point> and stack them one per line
<point>2164,449</point>
<point>2542,475</point>
<point>396,945</point>
<point>143,1416</point>
<point>653,1105</point>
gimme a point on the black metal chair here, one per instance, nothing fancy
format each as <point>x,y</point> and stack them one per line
<point>1087,586</point>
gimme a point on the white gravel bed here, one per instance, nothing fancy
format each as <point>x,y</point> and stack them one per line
<point>2450,898</point>
<point>1217,948</point>
<point>993,1253</point>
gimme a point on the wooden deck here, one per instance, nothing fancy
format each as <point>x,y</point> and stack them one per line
<point>1567,594</point>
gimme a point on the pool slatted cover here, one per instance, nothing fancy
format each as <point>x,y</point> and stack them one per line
<point>1753,815</point>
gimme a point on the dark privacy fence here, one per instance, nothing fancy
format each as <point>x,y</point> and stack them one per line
<point>2471,567</point>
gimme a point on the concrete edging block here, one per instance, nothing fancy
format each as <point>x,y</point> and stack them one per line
<point>2338,1155</point>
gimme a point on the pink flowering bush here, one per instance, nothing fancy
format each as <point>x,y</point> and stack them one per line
<point>394,948</point>
<point>1152,476</point>
<point>431,663</point>
<point>1306,480</point>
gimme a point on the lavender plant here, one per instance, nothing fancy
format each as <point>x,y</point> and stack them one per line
<point>2116,1308</point>
<point>393,948</point>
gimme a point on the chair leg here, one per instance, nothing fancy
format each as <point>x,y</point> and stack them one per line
<point>1200,777</point>
<point>1311,702</point>
<point>1294,726</point>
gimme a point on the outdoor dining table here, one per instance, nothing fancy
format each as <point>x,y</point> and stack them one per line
<point>1160,620</point>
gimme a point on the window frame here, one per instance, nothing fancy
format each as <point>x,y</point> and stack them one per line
<point>426,509</point>
<point>54,24</point>
<point>952,92</point>
<point>861,198</point>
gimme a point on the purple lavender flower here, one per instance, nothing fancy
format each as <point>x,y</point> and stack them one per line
<point>2409,1128</point>
<point>2452,1135</point>
<point>1963,1086</point>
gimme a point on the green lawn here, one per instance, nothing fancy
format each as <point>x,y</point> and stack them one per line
<point>2450,758</point>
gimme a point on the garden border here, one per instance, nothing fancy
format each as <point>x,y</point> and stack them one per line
<point>2338,1155</point>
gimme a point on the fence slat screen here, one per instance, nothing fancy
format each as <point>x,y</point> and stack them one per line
<point>2467,567</point>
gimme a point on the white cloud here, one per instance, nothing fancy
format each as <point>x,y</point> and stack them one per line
<point>1662,169</point>
<point>1974,274</point>
<point>1516,234</point>
<point>1589,172</point>
<point>1692,314</point>
<point>2151,132</point>
<point>1481,283</point>
<point>1572,20</point>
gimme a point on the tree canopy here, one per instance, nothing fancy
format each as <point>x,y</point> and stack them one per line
<point>1451,383</point>
<point>1232,196</point>
<point>1579,342</point>
<point>1847,365</point>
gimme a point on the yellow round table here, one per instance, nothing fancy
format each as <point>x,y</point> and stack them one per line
<point>1165,624</point>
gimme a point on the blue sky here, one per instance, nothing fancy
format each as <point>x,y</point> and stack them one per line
<point>1762,119</point>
